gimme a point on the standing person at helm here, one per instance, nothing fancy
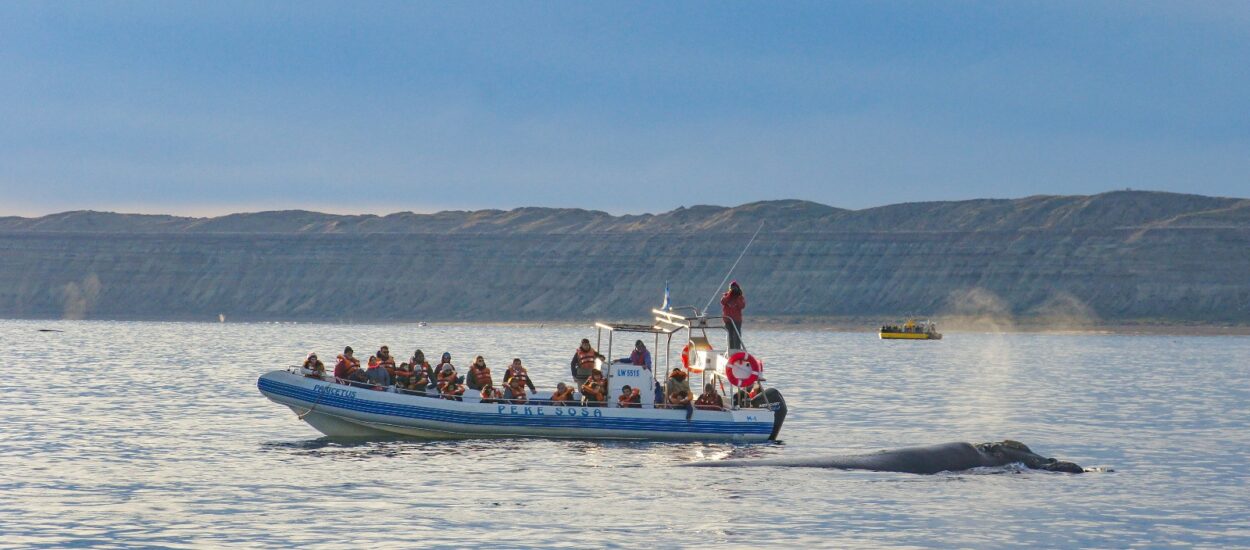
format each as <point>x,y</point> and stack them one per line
<point>731,306</point>
<point>583,363</point>
<point>640,356</point>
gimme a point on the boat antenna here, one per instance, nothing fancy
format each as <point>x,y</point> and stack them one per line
<point>731,268</point>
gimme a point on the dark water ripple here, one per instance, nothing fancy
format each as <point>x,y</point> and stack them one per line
<point>153,434</point>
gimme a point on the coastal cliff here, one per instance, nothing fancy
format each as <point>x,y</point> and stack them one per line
<point>1121,256</point>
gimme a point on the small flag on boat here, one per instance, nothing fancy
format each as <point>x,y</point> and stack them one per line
<point>666,306</point>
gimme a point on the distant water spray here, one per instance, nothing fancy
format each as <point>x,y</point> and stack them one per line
<point>79,298</point>
<point>977,310</point>
<point>1064,311</point>
<point>990,377</point>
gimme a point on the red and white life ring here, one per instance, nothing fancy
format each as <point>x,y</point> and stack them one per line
<point>743,369</point>
<point>697,367</point>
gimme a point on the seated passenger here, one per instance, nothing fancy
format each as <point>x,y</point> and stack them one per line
<point>345,364</point>
<point>421,381</point>
<point>388,362</point>
<point>422,378</point>
<point>418,359</point>
<point>422,374</point>
<point>629,398</point>
<point>451,389</point>
<point>594,391</point>
<point>479,375</point>
<point>584,361</point>
<point>756,388</point>
<point>676,382</point>
<point>444,363</point>
<point>563,395</point>
<point>316,368</point>
<point>710,400</point>
<point>745,397</point>
<point>681,400</point>
<point>404,376</point>
<point>491,395</point>
<point>514,392</point>
<point>516,371</point>
<point>377,375</point>
<point>677,392</point>
<point>448,373</point>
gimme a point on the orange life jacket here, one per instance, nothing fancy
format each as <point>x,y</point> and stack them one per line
<point>565,395</point>
<point>422,373</point>
<point>593,387</point>
<point>404,375</point>
<point>480,376</point>
<point>518,393</point>
<point>586,359</point>
<point>446,374</point>
<point>709,401</point>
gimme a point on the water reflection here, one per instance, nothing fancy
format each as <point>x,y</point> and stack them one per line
<point>168,443</point>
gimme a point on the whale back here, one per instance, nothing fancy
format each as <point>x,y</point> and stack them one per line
<point>929,459</point>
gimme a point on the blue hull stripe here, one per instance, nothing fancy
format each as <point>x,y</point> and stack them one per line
<point>493,419</point>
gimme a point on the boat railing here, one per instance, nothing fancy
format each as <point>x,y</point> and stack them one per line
<point>768,403</point>
<point>582,402</point>
<point>673,320</point>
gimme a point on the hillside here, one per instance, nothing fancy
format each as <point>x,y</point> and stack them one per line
<point>1114,257</point>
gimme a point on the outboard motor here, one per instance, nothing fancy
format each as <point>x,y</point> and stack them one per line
<point>772,399</point>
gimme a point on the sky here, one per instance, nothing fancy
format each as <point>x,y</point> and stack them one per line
<point>205,108</point>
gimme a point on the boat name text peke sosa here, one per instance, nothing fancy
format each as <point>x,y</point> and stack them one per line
<point>540,410</point>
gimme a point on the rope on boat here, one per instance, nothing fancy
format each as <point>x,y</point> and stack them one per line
<point>731,269</point>
<point>310,409</point>
<point>314,405</point>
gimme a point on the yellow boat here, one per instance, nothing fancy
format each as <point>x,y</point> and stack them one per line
<point>911,330</point>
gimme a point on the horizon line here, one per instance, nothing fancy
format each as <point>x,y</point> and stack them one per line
<point>435,210</point>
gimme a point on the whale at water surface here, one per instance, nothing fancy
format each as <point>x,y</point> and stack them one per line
<point>932,459</point>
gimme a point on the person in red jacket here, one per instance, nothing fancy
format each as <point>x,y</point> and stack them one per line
<point>346,365</point>
<point>731,306</point>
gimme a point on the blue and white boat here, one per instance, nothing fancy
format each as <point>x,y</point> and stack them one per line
<point>339,409</point>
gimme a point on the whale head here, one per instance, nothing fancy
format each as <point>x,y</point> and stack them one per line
<point>1015,451</point>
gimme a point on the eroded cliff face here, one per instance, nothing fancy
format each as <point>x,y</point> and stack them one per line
<point>1188,261</point>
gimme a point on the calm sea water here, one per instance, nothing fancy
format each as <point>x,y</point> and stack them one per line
<point>134,434</point>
